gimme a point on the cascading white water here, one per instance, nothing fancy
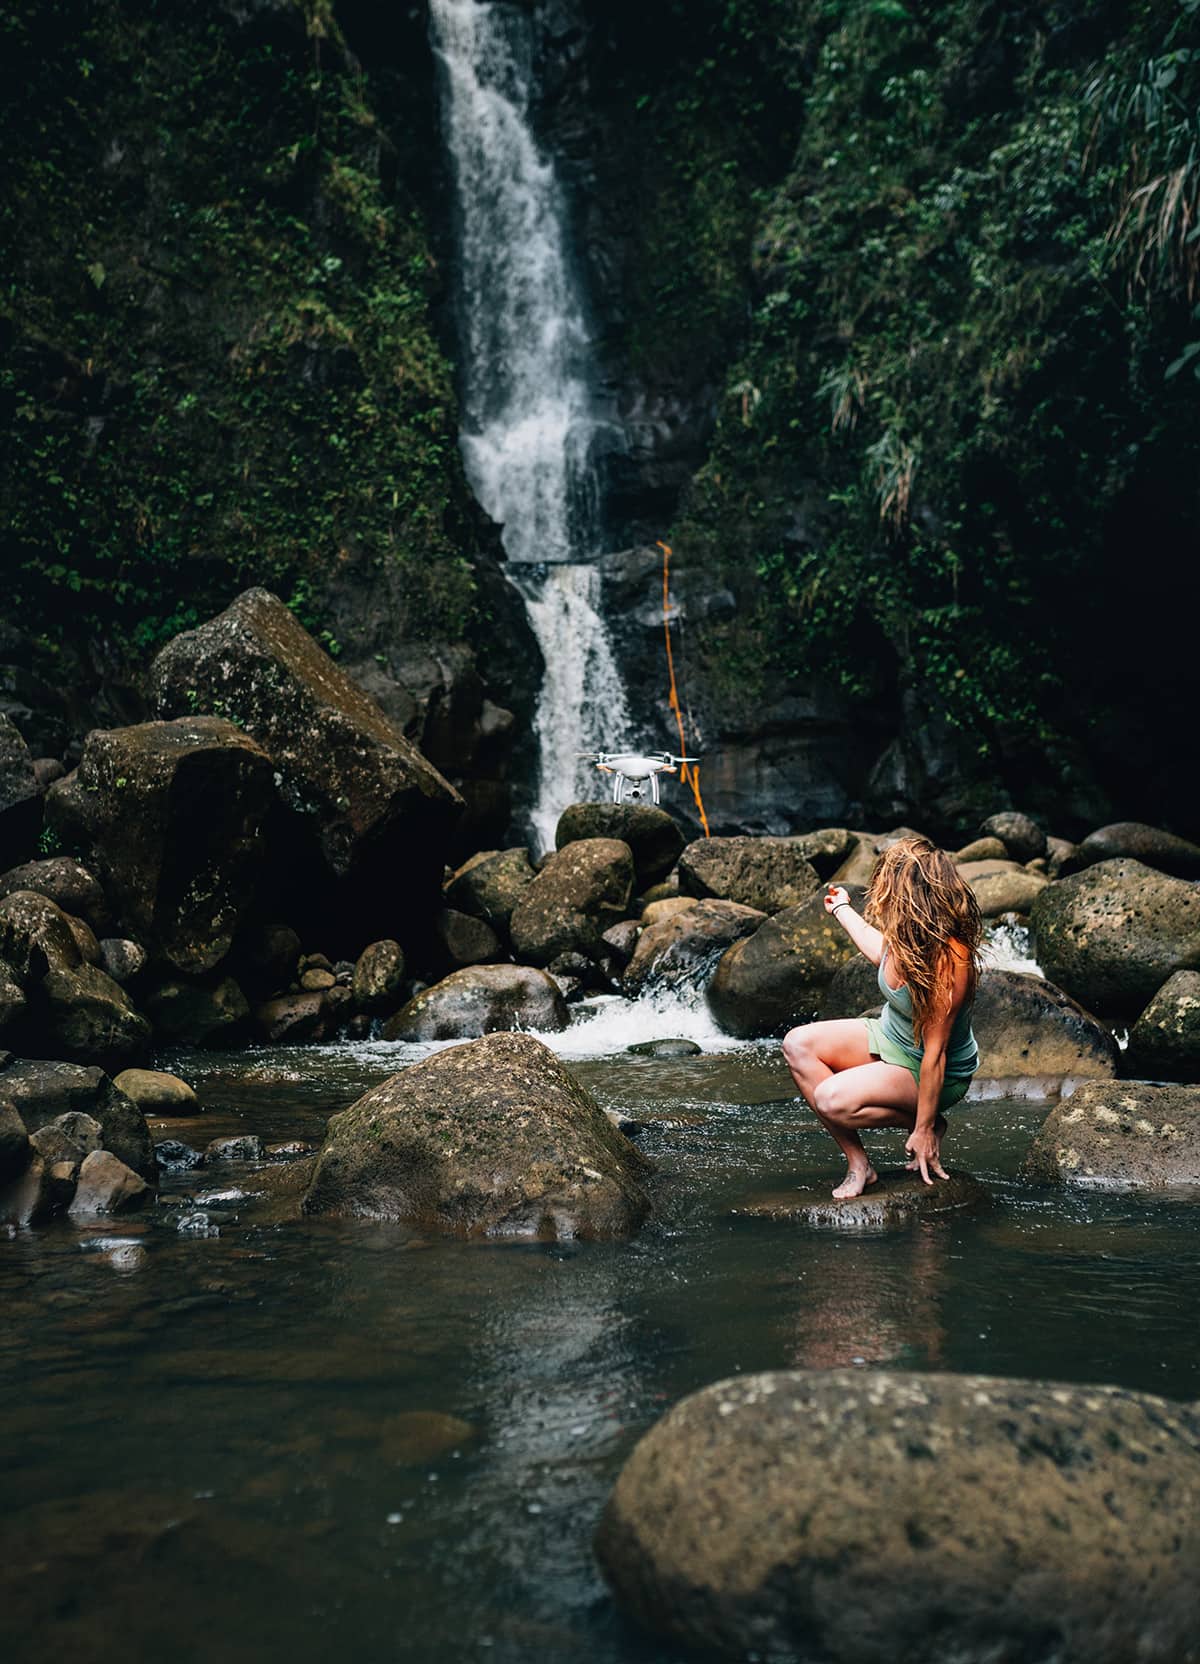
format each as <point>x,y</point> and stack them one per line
<point>530,430</point>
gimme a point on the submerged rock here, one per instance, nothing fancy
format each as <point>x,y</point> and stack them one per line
<point>853,1515</point>
<point>1120,1135</point>
<point>490,1138</point>
<point>481,999</point>
<point>665,1048</point>
<point>1164,1043</point>
<point>579,893</point>
<point>176,1157</point>
<point>681,946</point>
<point>654,839</point>
<point>897,1199</point>
<point>769,874</point>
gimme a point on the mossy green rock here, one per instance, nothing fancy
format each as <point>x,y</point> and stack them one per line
<point>1164,1043</point>
<point>493,1138</point>
<point>988,1519</point>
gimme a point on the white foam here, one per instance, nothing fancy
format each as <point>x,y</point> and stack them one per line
<point>1008,947</point>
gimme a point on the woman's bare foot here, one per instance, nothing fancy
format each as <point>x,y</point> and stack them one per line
<point>855,1182</point>
<point>939,1132</point>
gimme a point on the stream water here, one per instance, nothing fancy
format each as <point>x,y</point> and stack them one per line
<point>229,1445</point>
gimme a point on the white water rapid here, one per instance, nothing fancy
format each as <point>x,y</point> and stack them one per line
<point>530,428</point>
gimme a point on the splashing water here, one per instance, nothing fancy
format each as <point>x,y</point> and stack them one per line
<point>1009,947</point>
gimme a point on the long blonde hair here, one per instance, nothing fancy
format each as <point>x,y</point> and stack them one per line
<point>920,905</point>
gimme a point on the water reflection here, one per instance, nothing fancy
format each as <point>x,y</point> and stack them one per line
<point>874,1303</point>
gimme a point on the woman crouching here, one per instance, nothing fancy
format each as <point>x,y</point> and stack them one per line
<point>904,1067</point>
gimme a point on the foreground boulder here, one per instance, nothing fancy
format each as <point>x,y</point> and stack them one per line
<point>1112,935</point>
<point>1119,1135</point>
<point>492,1138</point>
<point>766,873</point>
<point>365,806</point>
<point>776,978</point>
<point>655,840</point>
<point>683,946</point>
<point>172,814</point>
<point>576,897</point>
<point>481,999</point>
<point>863,1517</point>
<point>1164,1043</point>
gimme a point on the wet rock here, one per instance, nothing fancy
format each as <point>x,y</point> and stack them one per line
<point>67,883</point>
<point>657,912</point>
<point>84,1131</point>
<point>769,874</point>
<point>35,937</point>
<point>853,989</point>
<point>1113,934</point>
<point>490,1138</point>
<point>106,1185</point>
<point>121,959</point>
<point>897,1199</point>
<point>622,939</point>
<point>157,1093</point>
<point>1008,892</point>
<point>291,1019</point>
<point>981,849</point>
<point>91,1018</point>
<point>176,1157</point>
<point>827,849</point>
<point>61,1181</point>
<point>654,839</point>
<point>1022,837</point>
<point>379,976</point>
<point>685,946</point>
<point>481,999</point>
<point>314,980</point>
<point>665,1048</point>
<point>1164,1043</point>
<point>459,939</point>
<point>55,1147</point>
<point>173,814</point>
<point>29,1196</point>
<point>44,1091</point>
<point>1026,1026</point>
<point>362,800</point>
<point>990,1519</point>
<point>196,1222</point>
<point>187,1013</point>
<point>1120,1135</point>
<point>1133,840</point>
<point>490,884</point>
<point>245,1147</point>
<point>778,977</point>
<point>291,1150</point>
<point>20,795</point>
<point>578,894</point>
<point>14,1143</point>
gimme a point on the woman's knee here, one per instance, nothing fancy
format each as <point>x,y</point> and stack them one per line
<point>829,1097</point>
<point>798,1048</point>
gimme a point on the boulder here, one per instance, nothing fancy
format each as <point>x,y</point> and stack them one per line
<point>1164,1043</point>
<point>492,1138</point>
<point>20,795</point>
<point>13,1004</point>
<point>1007,892</point>
<point>655,840</point>
<point>210,1013</point>
<point>85,940</point>
<point>578,894</point>
<point>1132,840</point>
<point>858,865</point>
<point>379,976</point>
<point>896,1200</point>
<point>669,1047</point>
<point>622,939</point>
<point>1022,837</point>
<point>981,849</point>
<point>853,989</point>
<point>245,1146</point>
<point>971,872</point>
<point>315,980</point>
<point>1113,934</point>
<point>157,1093</point>
<point>67,883</point>
<point>43,1092</point>
<point>91,1019</point>
<point>1027,1026</point>
<point>1061,856</point>
<point>778,977</point>
<point>827,849</point>
<point>173,814</point>
<point>1120,1135</point>
<point>363,804</point>
<point>770,874</point>
<point>121,959</point>
<point>291,1019</point>
<point>481,999</point>
<point>459,939</point>
<point>173,1156</point>
<point>29,1196</point>
<point>862,1515</point>
<point>106,1185</point>
<point>35,937</point>
<point>684,946</point>
<point>657,912</point>
<point>489,885</point>
<point>57,1148</point>
<point>14,1142</point>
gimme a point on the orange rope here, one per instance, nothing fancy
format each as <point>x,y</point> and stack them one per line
<point>689,774</point>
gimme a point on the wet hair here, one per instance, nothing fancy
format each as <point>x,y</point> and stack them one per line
<point>920,904</point>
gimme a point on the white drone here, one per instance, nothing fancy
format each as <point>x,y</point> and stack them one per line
<point>632,769</point>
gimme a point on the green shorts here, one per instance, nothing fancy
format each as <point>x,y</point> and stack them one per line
<point>955,1087</point>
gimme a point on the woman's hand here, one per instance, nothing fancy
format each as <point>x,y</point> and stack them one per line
<point>834,897</point>
<point>924,1146</point>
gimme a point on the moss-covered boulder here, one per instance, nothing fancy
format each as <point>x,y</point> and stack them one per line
<point>989,1519</point>
<point>683,946</point>
<point>1164,1043</point>
<point>655,840</point>
<point>1120,1135</point>
<point>1112,935</point>
<point>778,977</point>
<point>35,937</point>
<point>493,1138</point>
<point>490,884</point>
<point>481,999</point>
<point>769,874</point>
<point>579,893</point>
<point>68,884</point>
<point>90,1018</point>
<point>172,815</point>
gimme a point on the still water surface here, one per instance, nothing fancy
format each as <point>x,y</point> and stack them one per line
<point>208,1444</point>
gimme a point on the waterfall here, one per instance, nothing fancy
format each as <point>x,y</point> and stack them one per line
<point>530,429</point>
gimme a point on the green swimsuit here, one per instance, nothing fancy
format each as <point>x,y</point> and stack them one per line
<point>891,1039</point>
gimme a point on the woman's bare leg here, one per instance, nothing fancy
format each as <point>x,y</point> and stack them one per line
<point>868,1095</point>
<point>813,1054</point>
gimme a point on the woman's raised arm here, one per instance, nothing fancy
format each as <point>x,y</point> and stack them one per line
<point>864,936</point>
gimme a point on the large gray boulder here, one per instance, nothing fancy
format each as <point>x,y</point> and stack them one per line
<point>1134,840</point>
<point>685,945</point>
<point>865,1517</point>
<point>172,814</point>
<point>481,999</point>
<point>67,883</point>
<point>655,840</point>
<point>492,1138</point>
<point>778,977</point>
<point>575,898</point>
<point>41,1092</point>
<point>1164,1043</point>
<point>490,885</point>
<point>1112,935</point>
<point>364,804</point>
<point>1118,1135</point>
<point>770,874</point>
